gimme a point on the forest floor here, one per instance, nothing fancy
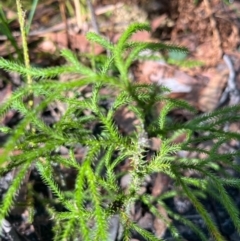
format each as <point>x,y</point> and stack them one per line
<point>203,77</point>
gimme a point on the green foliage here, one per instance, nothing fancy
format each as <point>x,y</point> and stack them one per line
<point>97,196</point>
<point>5,30</point>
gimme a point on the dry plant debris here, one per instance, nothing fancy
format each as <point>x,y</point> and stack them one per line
<point>209,29</point>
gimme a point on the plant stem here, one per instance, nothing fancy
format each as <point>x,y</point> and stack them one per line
<point>21,17</point>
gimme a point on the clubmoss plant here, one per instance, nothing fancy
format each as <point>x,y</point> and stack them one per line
<point>97,195</point>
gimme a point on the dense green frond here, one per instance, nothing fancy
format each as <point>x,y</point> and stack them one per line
<point>6,30</point>
<point>105,160</point>
<point>180,104</point>
<point>80,186</point>
<point>186,222</point>
<point>110,129</point>
<point>32,117</point>
<point>100,216</point>
<point>133,55</point>
<point>223,197</point>
<point>68,230</point>
<point>159,164</point>
<point>133,28</point>
<point>64,216</point>
<point>107,65</point>
<point>139,88</point>
<point>186,63</point>
<point>196,182</point>
<point>156,46</point>
<point>120,46</point>
<point>148,201</point>
<point>35,72</point>
<point>110,175</point>
<point>178,134</point>
<point>233,182</point>
<point>139,47</point>
<point>122,99</point>
<point>46,173</point>
<point>13,190</point>
<point>216,188</point>
<point>80,68</point>
<point>165,110</point>
<point>17,96</point>
<point>110,153</point>
<point>147,235</point>
<point>67,162</point>
<point>100,40</point>
<point>13,139</point>
<point>5,129</point>
<point>208,118</point>
<point>126,233</point>
<point>209,222</point>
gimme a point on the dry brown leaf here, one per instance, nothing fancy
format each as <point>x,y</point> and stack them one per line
<point>155,144</point>
<point>146,221</point>
<point>161,184</point>
<point>77,42</point>
<point>142,36</point>
<point>126,120</point>
<point>158,21</point>
<point>159,224</point>
<point>162,74</point>
<point>210,95</point>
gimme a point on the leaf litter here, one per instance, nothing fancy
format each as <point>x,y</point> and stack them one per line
<point>210,30</point>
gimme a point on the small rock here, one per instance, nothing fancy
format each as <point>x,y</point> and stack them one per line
<point>182,204</point>
<point>125,181</point>
<point>146,222</point>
